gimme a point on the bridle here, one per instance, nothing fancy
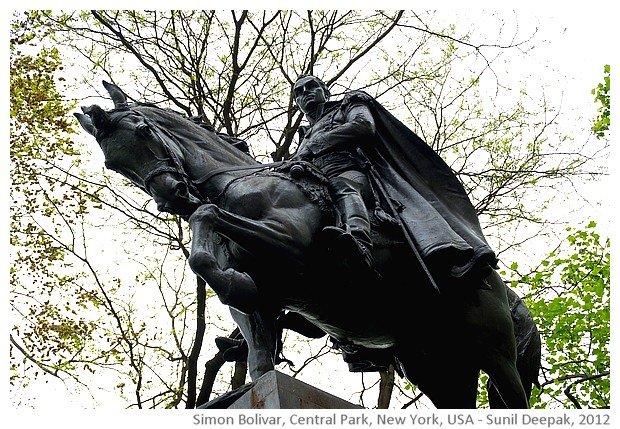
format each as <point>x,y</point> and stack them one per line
<point>173,163</point>
<point>176,166</point>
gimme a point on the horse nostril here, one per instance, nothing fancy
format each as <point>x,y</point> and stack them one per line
<point>182,190</point>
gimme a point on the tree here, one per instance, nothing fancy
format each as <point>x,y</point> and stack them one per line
<point>42,203</point>
<point>235,70</point>
<point>568,295</point>
<point>601,93</point>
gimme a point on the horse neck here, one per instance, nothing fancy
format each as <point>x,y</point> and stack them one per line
<point>212,170</point>
<point>200,152</point>
<point>217,184</point>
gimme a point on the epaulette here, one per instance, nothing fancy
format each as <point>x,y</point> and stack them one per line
<point>356,95</point>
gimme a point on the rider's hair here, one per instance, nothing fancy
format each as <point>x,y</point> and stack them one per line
<point>327,93</point>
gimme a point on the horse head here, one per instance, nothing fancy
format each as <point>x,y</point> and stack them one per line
<point>140,150</point>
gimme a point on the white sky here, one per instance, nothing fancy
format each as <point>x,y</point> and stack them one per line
<point>578,53</point>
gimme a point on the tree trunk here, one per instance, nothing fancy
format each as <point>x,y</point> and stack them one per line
<point>241,369</point>
<point>386,385</point>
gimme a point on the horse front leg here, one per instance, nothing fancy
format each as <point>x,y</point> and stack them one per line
<point>269,232</point>
<point>234,288</point>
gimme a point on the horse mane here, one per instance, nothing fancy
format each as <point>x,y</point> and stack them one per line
<point>189,132</point>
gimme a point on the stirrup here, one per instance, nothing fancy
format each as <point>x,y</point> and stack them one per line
<point>348,246</point>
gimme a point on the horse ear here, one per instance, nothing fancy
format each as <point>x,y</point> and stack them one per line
<point>98,117</point>
<point>86,123</point>
<point>120,101</point>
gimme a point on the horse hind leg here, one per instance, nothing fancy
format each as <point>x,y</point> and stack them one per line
<point>528,343</point>
<point>499,360</point>
<point>505,389</point>
<point>446,382</point>
<point>455,389</point>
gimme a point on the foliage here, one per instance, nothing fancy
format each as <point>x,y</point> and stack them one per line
<point>602,95</point>
<point>570,300</point>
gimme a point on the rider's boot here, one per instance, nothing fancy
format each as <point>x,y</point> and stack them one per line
<point>352,238</point>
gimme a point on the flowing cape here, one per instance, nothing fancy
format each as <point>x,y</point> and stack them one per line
<point>429,201</point>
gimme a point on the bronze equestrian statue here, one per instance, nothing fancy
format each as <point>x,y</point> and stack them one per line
<point>415,286</point>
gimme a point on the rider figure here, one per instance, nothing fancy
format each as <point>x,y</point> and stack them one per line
<point>336,130</point>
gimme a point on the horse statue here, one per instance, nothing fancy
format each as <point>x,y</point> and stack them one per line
<point>256,242</point>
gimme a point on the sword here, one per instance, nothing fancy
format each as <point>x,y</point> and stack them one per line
<point>408,237</point>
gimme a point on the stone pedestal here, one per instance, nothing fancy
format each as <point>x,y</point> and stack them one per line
<point>275,390</point>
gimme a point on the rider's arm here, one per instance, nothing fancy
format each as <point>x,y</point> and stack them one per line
<point>356,128</point>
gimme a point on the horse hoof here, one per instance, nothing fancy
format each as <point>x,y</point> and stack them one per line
<point>240,293</point>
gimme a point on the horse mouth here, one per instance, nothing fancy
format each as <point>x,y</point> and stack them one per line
<point>185,207</point>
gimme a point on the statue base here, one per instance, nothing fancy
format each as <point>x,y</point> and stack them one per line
<point>276,390</point>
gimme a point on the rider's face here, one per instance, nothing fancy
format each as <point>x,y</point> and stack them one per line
<point>309,94</point>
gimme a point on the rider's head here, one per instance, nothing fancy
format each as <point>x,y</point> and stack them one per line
<point>310,92</point>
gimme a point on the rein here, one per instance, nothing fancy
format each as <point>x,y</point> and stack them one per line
<point>176,168</point>
<point>157,171</point>
<point>218,171</point>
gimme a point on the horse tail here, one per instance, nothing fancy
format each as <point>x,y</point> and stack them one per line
<point>529,352</point>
